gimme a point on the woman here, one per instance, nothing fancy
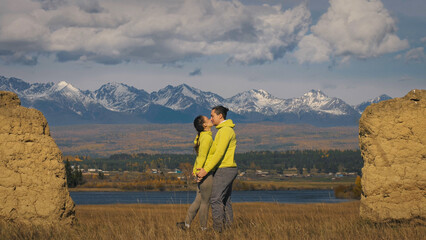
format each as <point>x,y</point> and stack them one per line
<point>202,145</point>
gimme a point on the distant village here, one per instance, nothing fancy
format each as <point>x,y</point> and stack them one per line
<point>243,175</point>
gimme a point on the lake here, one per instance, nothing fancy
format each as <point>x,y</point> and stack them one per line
<point>297,196</point>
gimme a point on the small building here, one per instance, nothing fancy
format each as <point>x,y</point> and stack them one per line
<point>175,171</point>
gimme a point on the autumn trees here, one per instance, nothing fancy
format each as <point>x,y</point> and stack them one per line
<point>74,175</point>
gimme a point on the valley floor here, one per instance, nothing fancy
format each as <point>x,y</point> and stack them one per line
<point>105,140</point>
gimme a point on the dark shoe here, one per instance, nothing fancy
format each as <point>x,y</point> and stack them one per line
<point>181,225</point>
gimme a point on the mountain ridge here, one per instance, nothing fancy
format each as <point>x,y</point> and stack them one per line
<point>362,106</point>
<point>64,104</point>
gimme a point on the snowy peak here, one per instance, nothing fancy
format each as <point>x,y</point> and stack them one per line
<point>316,94</point>
<point>13,84</point>
<point>68,97</point>
<point>171,97</point>
<point>117,90</point>
<point>262,102</point>
<point>380,98</point>
<point>260,95</point>
<point>183,90</point>
<point>38,91</point>
<point>183,96</point>
<point>119,97</point>
<point>254,101</point>
<point>362,106</point>
<point>316,100</point>
<point>187,90</point>
<point>63,86</point>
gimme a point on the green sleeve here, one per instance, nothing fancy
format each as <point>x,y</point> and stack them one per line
<point>223,137</point>
<point>203,151</point>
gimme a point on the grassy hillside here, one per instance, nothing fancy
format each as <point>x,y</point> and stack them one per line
<point>252,221</point>
<point>104,140</point>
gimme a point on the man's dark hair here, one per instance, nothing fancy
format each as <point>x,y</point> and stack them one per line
<point>221,110</point>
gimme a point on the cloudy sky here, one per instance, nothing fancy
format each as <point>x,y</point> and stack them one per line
<point>351,49</point>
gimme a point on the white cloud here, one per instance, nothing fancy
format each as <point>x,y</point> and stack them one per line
<point>111,31</point>
<point>313,48</point>
<point>415,55</point>
<point>356,28</point>
<point>423,40</point>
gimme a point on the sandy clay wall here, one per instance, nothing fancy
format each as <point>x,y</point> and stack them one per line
<point>32,175</point>
<point>392,138</point>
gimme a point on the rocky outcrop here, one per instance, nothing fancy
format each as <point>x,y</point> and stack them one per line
<point>392,138</point>
<point>32,175</point>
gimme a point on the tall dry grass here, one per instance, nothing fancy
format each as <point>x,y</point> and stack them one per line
<point>252,221</point>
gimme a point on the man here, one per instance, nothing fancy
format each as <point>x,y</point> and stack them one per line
<point>222,163</point>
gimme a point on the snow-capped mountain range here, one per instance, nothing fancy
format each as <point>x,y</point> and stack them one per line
<point>64,104</point>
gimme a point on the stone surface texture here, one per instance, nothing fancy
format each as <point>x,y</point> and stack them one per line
<point>33,185</point>
<point>392,138</point>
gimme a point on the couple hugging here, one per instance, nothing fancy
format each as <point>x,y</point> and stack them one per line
<point>215,169</point>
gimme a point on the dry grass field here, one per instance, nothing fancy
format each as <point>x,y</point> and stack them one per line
<point>252,221</point>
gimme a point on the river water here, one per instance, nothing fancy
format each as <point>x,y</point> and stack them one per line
<point>298,196</point>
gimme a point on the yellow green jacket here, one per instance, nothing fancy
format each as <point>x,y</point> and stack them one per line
<point>206,142</point>
<point>223,149</point>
